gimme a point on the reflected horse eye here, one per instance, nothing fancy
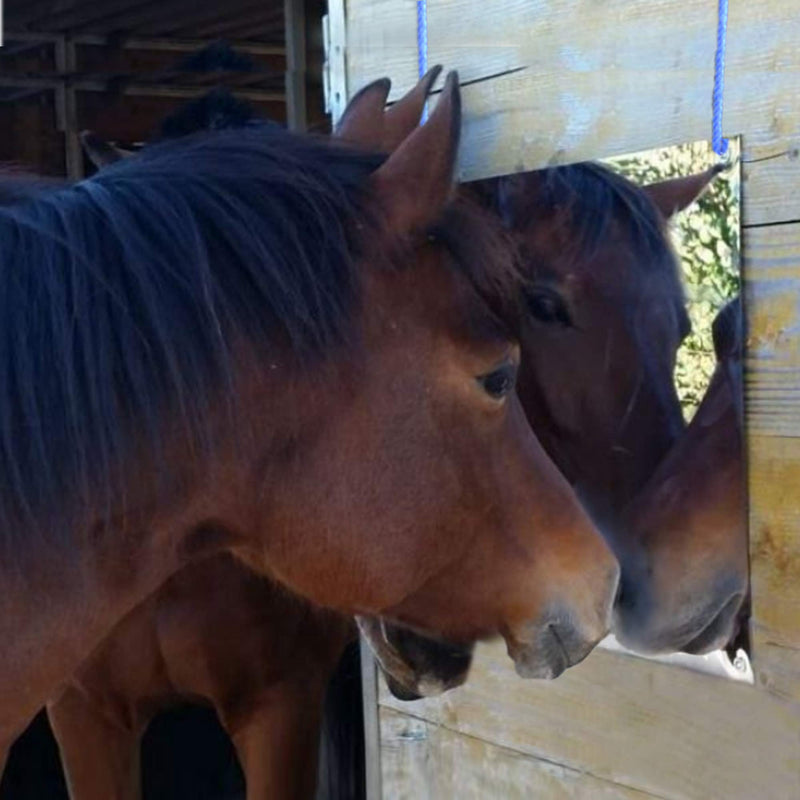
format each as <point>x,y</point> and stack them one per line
<point>500,382</point>
<point>547,306</point>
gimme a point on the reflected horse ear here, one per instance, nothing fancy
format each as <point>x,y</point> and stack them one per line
<point>416,182</point>
<point>676,194</point>
<point>367,122</point>
<point>100,152</point>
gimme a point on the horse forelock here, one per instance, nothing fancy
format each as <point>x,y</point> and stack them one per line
<point>483,253</point>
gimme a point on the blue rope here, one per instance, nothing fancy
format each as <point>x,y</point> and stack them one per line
<point>719,144</point>
<point>422,37</point>
<point>422,44</point>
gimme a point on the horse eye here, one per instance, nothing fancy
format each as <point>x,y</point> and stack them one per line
<point>547,306</point>
<point>499,382</point>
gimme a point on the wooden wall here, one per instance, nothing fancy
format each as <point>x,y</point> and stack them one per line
<point>121,91</point>
<point>552,82</point>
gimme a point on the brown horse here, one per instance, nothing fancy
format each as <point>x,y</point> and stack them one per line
<point>142,668</point>
<point>254,685</point>
<point>690,523</point>
<point>218,634</point>
<point>604,317</point>
<point>414,665</point>
<point>229,353</point>
<point>215,633</point>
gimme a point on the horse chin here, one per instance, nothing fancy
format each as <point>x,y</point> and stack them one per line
<point>426,686</point>
<point>399,691</point>
<point>703,634</point>
<point>414,665</point>
<point>549,652</point>
<point>718,632</point>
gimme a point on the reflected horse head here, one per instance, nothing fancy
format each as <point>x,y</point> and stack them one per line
<point>687,588</point>
<point>605,314</point>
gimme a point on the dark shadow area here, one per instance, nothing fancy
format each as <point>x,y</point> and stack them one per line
<point>186,755</point>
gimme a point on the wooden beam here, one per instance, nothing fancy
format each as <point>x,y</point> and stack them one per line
<point>295,23</point>
<point>337,85</point>
<point>75,16</point>
<point>649,727</point>
<point>420,759</point>
<point>772,399</point>
<point>15,48</point>
<point>584,80</point>
<point>146,90</point>
<point>173,16</point>
<point>772,377</point>
<point>370,690</point>
<point>66,109</point>
<point>265,22</point>
<point>167,43</point>
<point>19,94</point>
<point>769,186</point>
<point>23,15</point>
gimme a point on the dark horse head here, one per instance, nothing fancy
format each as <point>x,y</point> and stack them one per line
<point>690,523</point>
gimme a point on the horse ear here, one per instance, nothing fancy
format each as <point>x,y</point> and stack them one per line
<point>676,194</point>
<point>414,184</point>
<point>100,152</point>
<point>401,118</point>
<point>362,121</point>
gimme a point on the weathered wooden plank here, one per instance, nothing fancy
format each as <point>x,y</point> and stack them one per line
<point>774,478</point>
<point>163,43</point>
<point>772,381</point>
<point>372,734</point>
<point>580,80</point>
<point>772,394</point>
<point>295,22</point>
<point>425,761</point>
<point>667,731</point>
<point>769,189</point>
<point>335,70</point>
<point>67,109</point>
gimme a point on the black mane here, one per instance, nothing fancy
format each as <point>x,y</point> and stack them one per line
<point>593,198</point>
<point>119,295</point>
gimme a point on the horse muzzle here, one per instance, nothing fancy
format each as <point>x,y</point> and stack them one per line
<point>415,665</point>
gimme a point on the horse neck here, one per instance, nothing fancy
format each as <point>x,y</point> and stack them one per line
<point>66,594</point>
<point>57,604</point>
